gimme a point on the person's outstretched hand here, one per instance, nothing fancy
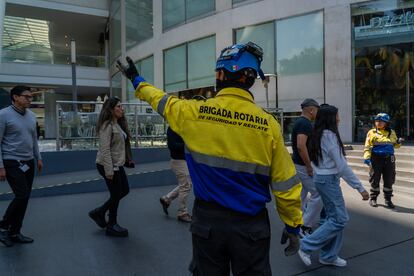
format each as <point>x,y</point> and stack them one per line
<point>130,71</point>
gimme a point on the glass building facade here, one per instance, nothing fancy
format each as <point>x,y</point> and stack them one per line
<point>177,12</point>
<point>190,65</point>
<point>139,21</point>
<point>145,68</point>
<point>359,56</point>
<point>297,63</point>
<point>38,40</point>
<point>115,30</point>
<point>383,61</point>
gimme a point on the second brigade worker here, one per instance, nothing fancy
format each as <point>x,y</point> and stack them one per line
<point>302,130</point>
<point>113,134</point>
<point>19,151</point>
<point>235,152</point>
<point>179,167</point>
<point>328,159</point>
<point>379,155</point>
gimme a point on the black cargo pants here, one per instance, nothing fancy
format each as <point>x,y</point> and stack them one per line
<point>19,175</point>
<point>224,239</point>
<point>382,166</point>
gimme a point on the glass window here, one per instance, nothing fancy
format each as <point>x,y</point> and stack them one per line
<point>199,56</point>
<point>173,13</point>
<point>115,31</point>
<point>138,21</point>
<point>34,40</point>
<point>146,70</point>
<point>383,49</point>
<point>264,36</point>
<point>300,67</point>
<point>196,8</point>
<point>175,69</point>
<point>201,62</point>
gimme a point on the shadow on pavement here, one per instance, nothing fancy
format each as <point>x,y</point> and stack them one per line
<point>67,242</point>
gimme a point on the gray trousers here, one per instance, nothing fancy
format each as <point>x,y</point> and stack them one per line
<point>179,167</point>
<point>312,204</point>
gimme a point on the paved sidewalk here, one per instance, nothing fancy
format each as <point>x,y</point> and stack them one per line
<point>143,175</point>
<point>377,241</point>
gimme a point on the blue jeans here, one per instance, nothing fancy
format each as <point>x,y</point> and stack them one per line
<point>328,237</point>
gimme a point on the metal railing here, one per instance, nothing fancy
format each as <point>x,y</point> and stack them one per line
<point>50,57</point>
<point>286,122</point>
<point>76,125</point>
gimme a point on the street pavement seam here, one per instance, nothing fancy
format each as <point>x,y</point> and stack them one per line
<point>82,181</point>
<point>358,255</point>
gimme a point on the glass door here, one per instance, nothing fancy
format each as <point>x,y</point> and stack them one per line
<point>384,82</point>
<point>383,63</point>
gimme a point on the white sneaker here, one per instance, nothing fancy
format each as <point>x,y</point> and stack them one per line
<point>337,262</point>
<point>305,257</point>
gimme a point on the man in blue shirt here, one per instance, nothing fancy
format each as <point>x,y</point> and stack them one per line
<point>18,149</point>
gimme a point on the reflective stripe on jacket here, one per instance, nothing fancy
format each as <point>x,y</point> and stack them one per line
<point>234,151</point>
<point>381,142</point>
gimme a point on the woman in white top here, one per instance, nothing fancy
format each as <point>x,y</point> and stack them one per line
<point>328,160</point>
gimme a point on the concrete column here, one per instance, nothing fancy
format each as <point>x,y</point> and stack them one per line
<point>2,15</point>
<point>123,49</point>
<point>158,52</point>
<point>50,112</point>
<point>338,65</point>
<point>107,62</point>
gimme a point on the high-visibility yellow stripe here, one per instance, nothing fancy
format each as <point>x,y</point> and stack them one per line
<point>285,185</point>
<point>224,163</point>
<point>161,105</point>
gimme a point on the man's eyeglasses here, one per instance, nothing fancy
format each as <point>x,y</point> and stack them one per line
<point>28,97</point>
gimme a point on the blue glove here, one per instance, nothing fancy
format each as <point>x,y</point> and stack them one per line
<point>367,162</point>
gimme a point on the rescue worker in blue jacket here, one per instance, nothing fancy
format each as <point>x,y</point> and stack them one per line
<point>235,152</point>
<point>379,156</point>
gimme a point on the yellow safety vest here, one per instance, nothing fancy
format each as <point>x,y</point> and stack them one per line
<point>234,151</point>
<point>381,142</point>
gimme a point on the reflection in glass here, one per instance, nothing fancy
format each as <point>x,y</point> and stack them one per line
<point>115,32</point>
<point>196,8</point>
<point>138,21</point>
<point>29,40</point>
<point>383,47</point>
<point>264,36</point>
<point>173,13</point>
<point>175,69</point>
<point>200,55</point>
<point>300,61</point>
<point>201,62</point>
